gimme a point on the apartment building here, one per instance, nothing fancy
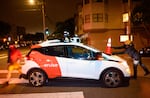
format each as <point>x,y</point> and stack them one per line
<point>99,20</point>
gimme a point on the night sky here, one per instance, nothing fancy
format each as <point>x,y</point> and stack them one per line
<point>18,12</point>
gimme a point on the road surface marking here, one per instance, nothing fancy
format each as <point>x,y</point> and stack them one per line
<point>78,94</point>
<point>14,81</point>
<point>2,56</point>
<point>6,71</point>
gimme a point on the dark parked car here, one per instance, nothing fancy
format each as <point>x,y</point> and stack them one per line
<point>145,52</point>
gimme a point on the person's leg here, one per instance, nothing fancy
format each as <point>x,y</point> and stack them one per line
<point>135,64</point>
<point>144,68</point>
<point>10,69</point>
<point>18,68</point>
<point>135,71</point>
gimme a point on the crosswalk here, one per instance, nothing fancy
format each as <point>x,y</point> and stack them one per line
<point>78,94</point>
<point>12,80</point>
<point>5,55</point>
<point>2,56</point>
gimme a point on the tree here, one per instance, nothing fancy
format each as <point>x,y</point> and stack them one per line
<point>5,29</point>
<point>20,31</point>
<point>28,37</point>
<point>68,25</point>
<point>58,33</point>
<point>39,36</point>
<point>140,18</point>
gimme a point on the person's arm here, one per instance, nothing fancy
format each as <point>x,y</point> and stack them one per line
<point>121,52</point>
<point>118,47</point>
<point>8,60</point>
<point>19,54</point>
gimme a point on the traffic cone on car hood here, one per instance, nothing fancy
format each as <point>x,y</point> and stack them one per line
<point>108,48</point>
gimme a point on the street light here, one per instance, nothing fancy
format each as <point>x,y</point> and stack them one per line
<point>32,2</point>
<point>129,17</point>
<point>42,3</point>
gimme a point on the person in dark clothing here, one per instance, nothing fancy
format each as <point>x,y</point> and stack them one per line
<point>134,54</point>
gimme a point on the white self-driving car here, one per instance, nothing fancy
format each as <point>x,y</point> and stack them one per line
<point>52,59</point>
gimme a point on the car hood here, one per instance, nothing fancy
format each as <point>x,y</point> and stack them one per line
<point>112,57</point>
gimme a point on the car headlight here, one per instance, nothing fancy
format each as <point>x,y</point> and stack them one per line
<point>141,52</point>
<point>128,71</point>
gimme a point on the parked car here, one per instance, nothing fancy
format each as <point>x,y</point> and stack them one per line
<point>52,59</point>
<point>145,52</point>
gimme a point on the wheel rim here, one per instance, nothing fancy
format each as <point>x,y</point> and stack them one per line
<point>112,79</point>
<point>36,79</point>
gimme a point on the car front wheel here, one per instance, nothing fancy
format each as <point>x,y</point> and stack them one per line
<point>111,78</point>
<point>37,78</point>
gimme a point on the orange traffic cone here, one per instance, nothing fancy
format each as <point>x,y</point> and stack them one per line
<point>108,48</point>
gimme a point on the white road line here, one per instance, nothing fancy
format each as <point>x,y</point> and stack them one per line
<point>6,71</point>
<point>78,94</point>
<point>2,56</point>
<point>13,81</point>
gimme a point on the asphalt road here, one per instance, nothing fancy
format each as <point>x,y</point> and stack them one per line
<point>77,88</point>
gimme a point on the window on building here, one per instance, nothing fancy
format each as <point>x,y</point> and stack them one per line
<point>86,1</point>
<point>87,18</point>
<point>97,17</point>
<point>97,0</point>
<point>105,1</point>
<point>106,18</point>
<point>124,1</point>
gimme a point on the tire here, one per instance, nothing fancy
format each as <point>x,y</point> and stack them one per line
<point>111,78</point>
<point>37,78</point>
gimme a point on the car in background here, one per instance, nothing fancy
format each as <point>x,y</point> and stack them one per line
<point>52,59</point>
<point>145,52</point>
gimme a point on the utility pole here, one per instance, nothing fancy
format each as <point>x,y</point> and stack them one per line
<point>129,18</point>
<point>43,15</point>
<point>42,4</point>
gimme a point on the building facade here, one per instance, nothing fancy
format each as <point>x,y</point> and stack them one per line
<point>99,20</point>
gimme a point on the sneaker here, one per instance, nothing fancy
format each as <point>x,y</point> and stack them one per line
<point>147,73</point>
<point>20,76</point>
<point>4,84</point>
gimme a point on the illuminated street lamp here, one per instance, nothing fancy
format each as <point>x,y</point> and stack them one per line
<point>42,3</point>
<point>32,2</point>
<point>129,17</point>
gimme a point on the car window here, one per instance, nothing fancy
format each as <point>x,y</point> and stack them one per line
<point>41,50</point>
<point>55,51</point>
<point>77,52</point>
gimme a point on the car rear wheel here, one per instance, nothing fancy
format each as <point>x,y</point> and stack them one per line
<point>111,78</point>
<point>37,78</point>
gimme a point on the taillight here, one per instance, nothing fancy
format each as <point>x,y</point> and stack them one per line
<point>100,58</point>
<point>27,58</point>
